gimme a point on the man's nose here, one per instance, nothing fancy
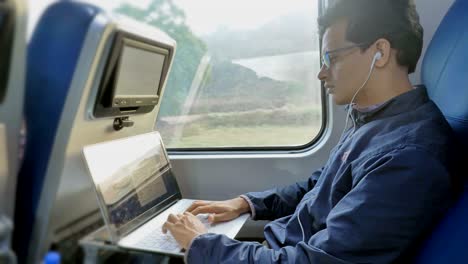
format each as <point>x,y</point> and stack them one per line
<point>323,73</point>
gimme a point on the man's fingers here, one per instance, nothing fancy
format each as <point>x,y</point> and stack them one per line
<point>215,218</point>
<point>188,214</point>
<point>167,226</point>
<point>172,218</point>
<point>195,205</point>
<point>207,209</point>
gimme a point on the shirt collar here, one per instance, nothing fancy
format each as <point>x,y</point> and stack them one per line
<point>402,103</point>
<point>367,108</point>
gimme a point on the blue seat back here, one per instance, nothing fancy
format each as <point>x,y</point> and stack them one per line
<point>445,74</point>
<point>53,53</point>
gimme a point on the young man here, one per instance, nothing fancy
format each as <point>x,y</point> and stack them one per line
<point>385,181</point>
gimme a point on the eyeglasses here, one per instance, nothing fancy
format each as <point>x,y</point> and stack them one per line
<point>326,59</point>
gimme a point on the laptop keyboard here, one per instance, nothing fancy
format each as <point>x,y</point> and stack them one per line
<point>156,239</point>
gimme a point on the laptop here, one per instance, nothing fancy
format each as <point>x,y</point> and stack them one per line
<point>137,191</point>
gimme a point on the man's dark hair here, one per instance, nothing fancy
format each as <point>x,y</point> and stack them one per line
<point>368,20</point>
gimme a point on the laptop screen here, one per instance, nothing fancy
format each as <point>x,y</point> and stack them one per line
<point>133,180</point>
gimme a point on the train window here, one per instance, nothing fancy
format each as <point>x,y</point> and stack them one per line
<point>244,75</point>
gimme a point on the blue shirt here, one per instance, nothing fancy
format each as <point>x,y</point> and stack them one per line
<point>381,188</point>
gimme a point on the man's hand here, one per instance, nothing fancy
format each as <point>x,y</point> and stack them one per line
<point>184,228</point>
<point>220,211</point>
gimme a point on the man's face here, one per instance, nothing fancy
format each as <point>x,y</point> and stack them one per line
<point>348,67</point>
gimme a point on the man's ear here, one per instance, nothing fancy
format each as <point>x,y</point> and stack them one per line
<point>385,48</point>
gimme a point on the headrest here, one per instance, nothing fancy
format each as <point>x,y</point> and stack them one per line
<point>445,68</point>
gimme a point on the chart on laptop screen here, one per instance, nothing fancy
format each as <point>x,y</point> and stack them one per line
<point>130,174</point>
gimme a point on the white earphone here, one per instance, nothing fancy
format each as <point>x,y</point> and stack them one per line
<point>377,57</point>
